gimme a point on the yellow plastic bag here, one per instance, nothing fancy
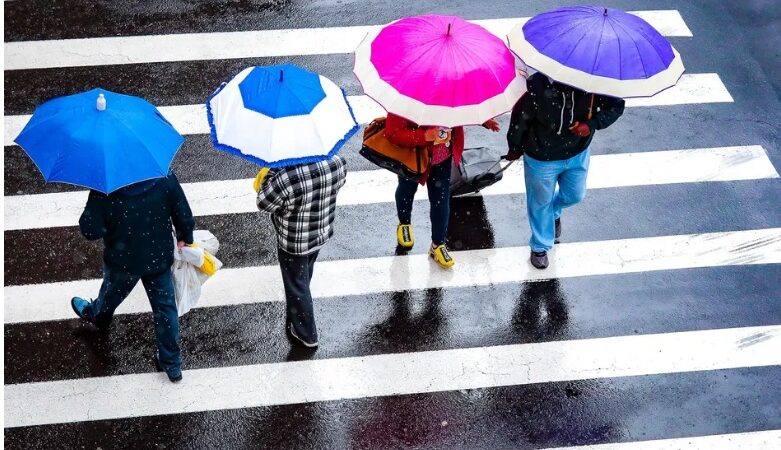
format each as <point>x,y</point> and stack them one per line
<point>210,264</point>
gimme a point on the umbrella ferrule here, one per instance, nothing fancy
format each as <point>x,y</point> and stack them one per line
<point>448,28</point>
<point>281,76</point>
<point>605,13</point>
<point>101,102</point>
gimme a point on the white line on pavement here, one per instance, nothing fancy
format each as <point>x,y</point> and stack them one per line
<point>753,440</point>
<point>378,186</point>
<point>354,277</point>
<point>220,388</point>
<point>191,119</point>
<point>241,44</point>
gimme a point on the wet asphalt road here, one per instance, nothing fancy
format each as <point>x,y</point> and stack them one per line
<point>737,40</point>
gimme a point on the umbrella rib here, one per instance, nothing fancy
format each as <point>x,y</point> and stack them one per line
<point>620,66</point>
<point>629,35</point>
<point>574,47</point>
<point>492,73</point>
<point>551,41</point>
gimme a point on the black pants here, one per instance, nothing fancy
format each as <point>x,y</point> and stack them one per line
<point>296,275</point>
<point>438,185</point>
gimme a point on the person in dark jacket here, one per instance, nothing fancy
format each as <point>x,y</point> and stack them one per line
<point>552,126</point>
<point>135,225</point>
<point>302,201</point>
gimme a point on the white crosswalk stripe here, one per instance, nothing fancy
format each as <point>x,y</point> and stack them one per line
<point>392,374</point>
<point>69,399</point>
<point>378,186</point>
<point>239,44</point>
<point>398,273</point>
<point>734,441</point>
<point>191,119</point>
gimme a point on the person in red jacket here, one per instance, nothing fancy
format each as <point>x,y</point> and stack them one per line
<point>445,149</point>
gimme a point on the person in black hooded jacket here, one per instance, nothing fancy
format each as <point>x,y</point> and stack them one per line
<point>552,126</point>
<point>135,225</point>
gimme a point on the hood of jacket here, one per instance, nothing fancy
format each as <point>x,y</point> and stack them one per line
<point>139,188</point>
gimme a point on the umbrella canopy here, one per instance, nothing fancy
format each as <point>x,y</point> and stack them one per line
<point>100,140</point>
<point>439,70</point>
<point>599,50</point>
<point>282,115</point>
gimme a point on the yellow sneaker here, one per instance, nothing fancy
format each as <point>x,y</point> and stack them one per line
<point>441,256</point>
<point>404,236</point>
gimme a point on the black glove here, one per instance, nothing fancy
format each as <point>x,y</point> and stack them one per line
<point>513,154</point>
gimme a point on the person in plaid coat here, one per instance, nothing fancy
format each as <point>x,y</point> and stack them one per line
<point>302,203</point>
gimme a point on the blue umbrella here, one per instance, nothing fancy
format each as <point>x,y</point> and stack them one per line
<point>100,140</point>
<point>600,50</point>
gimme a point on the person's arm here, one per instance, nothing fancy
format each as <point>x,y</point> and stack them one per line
<point>274,193</point>
<point>181,215</point>
<point>608,110</point>
<point>522,113</point>
<point>92,222</point>
<point>399,132</point>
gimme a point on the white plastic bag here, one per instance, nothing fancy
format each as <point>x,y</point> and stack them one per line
<point>188,277</point>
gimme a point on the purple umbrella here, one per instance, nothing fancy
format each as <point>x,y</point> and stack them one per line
<point>600,50</point>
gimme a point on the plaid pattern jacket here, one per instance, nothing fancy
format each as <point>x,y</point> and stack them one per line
<point>302,203</point>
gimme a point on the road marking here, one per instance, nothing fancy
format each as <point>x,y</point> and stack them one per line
<point>149,394</point>
<point>753,440</point>
<point>378,186</point>
<point>191,119</point>
<point>241,44</point>
<point>355,277</point>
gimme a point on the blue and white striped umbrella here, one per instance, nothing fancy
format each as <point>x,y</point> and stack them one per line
<point>281,115</point>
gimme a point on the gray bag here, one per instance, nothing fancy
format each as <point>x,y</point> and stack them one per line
<point>478,169</point>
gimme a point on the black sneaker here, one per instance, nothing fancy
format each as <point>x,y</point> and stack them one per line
<point>557,233</point>
<point>297,339</point>
<point>539,259</point>
<point>174,373</point>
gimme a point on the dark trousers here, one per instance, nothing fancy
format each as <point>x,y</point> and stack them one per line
<point>438,185</point>
<point>297,273</point>
<point>160,290</point>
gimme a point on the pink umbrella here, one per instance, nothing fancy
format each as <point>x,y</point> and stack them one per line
<point>439,70</point>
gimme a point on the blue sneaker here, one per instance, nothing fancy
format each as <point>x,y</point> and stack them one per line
<point>81,308</point>
<point>174,373</point>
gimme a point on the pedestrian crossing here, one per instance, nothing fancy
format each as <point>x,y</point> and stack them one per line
<point>467,348</point>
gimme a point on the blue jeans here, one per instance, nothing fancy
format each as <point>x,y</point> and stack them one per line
<point>438,185</point>
<point>544,201</point>
<point>160,290</point>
